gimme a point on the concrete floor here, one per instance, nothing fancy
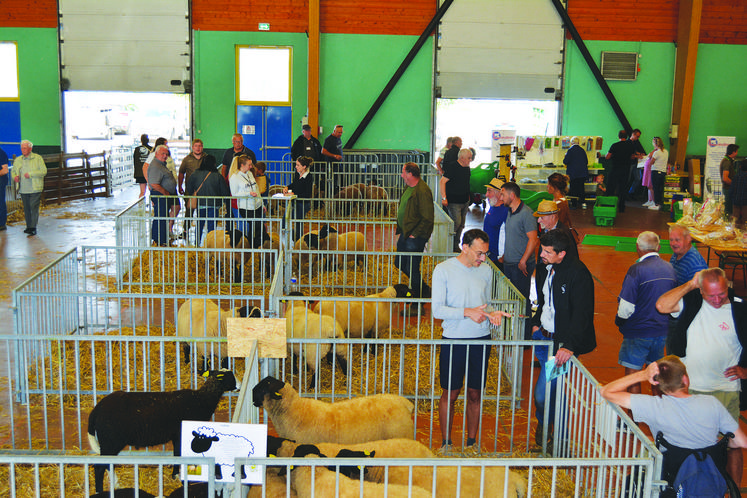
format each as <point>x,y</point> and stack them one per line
<point>91,222</point>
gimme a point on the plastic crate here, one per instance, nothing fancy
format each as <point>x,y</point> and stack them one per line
<point>606,201</point>
<point>605,211</point>
<point>604,221</point>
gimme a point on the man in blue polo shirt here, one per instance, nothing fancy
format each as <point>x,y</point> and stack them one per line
<point>686,260</point>
<point>644,329</point>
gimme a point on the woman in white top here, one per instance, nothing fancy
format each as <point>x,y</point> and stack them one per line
<point>657,163</point>
<point>249,203</point>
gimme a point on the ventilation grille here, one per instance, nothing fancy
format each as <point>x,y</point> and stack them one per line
<point>620,65</point>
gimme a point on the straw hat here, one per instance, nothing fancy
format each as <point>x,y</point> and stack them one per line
<point>495,183</point>
<point>546,207</point>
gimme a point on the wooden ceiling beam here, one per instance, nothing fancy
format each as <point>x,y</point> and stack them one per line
<point>688,32</point>
<point>313,70</point>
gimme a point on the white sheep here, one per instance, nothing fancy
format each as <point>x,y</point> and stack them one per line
<point>204,318</point>
<point>142,419</point>
<point>225,261</point>
<point>329,483</point>
<point>331,240</point>
<point>361,319</point>
<point>302,323</point>
<point>275,486</point>
<point>357,420</point>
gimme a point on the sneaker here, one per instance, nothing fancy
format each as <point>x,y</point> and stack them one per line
<point>648,203</point>
<point>654,207</point>
<point>445,451</point>
<point>472,451</point>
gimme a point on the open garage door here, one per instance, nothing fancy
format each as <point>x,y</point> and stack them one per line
<point>500,49</point>
<point>132,46</point>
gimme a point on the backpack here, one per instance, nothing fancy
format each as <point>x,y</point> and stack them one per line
<point>696,473</point>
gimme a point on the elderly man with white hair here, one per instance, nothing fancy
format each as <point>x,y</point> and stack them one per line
<point>454,187</point>
<point>643,327</point>
<point>29,171</point>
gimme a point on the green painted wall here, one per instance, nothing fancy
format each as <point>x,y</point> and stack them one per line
<point>718,106</point>
<point>354,71</point>
<point>38,78</point>
<point>646,102</point>
<point>349,84</point>
<point>215,81</point>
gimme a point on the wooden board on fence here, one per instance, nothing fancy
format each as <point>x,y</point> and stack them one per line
<point>268,332</point>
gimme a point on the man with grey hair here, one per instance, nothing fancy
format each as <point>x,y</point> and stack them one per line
<point>643,327</point>
<point>710,337</point>
<point>686,260</point>
<point>29,171</point>
<point>454,188</point>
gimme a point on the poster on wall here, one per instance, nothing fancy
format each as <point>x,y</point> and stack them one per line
<point>715,152</point>
<point>501,137</point>
<point>224,442</point>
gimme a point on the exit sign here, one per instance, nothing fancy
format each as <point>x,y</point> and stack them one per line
<point>264,26</point>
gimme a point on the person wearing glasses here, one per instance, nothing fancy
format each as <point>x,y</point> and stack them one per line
<point>461,290</point>
<point>565,314</point>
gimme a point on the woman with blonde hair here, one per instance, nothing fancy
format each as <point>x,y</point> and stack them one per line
<point>248,203</point>
<point>654,173</point>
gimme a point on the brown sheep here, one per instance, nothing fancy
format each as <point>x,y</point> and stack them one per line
<point>225,261</point>
<point>331,240</point>
<point>339,206</point>
<point>378,200</point>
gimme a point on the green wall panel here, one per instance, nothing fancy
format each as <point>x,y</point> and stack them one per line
<point>38,77</point>
<point>646,102</point>
<point>354,71</point>
<point>719,99</point>
<point>215,81</point>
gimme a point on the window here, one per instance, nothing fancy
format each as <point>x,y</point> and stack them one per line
<point>9,63</point>
<point>273,87</point>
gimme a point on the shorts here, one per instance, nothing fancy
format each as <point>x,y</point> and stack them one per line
<point>730,400</point>
<point>453,363</point>
<point>638,351</point>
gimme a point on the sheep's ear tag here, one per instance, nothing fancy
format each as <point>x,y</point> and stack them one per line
<point>277,393</point>
<point>367,453</point>
<point>206,374</point>
<point>408,294</point>
<point>271,456</point>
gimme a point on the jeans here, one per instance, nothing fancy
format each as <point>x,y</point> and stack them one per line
<point>540,394</point>
<point>205,215</point>
<point>3,207</point>
<point>522,283</point>
<point>410,264</point>
<point>249,222</point>
<point>458,213</point>
<point>159,232</point>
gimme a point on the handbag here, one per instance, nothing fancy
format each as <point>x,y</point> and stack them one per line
<point>192,204</point>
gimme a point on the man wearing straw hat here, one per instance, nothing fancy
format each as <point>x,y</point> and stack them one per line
<point>494,223</point>
<point>461,291</point>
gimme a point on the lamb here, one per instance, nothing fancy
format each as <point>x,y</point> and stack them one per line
<point>378,194</point>
<point>310,240</point>
<point>124,493</point>
<point>275,485</point>
<point>221,239</point>
<point>357,420</point>
<point>204,318</point>
<point>339,207</point>
<point>330,240</point>
<point>329,483</point>
<point>143,419</point>
<point>302,323</point>
<point>361,319</point>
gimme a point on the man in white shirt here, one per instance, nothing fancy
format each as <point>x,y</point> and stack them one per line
<point>709,337</point>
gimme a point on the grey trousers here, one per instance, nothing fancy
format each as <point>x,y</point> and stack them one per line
<point>31,208</point>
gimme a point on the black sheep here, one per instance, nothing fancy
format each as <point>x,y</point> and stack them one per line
<point>124,493</point>
<point>143,419</point>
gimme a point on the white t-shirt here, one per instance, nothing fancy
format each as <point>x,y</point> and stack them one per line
<point>712,347</point>
<point>661,157</point>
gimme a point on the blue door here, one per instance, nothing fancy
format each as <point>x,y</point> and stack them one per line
<point>267,131</point>
<point>10,129</point>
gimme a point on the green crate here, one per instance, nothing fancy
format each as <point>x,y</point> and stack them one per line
<point>606,200</point>
<point>605,211</point>
<point>604,221</point>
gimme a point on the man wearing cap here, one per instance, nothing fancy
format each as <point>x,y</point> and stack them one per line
<point>644,329</point>
<point>521,244</point>
<point>577,169</point>
<point>306,145</point>
<point>494,223</point>
<point>548,218</point>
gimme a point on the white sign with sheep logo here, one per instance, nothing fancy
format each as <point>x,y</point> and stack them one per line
<point>224,442</point>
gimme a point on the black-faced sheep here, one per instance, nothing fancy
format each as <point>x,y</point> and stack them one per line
<point>227,261</point>
<point>302,323</point>
<point>377,200</point>
<point>194,490</point>
<point>326,482</point>
<point>124,493</point>
<point>364,319</point>
<point>204,318</point>
<point>142,419</point>
<point>357,420</point>
<point>310,240</point>
<point>331,240</point>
